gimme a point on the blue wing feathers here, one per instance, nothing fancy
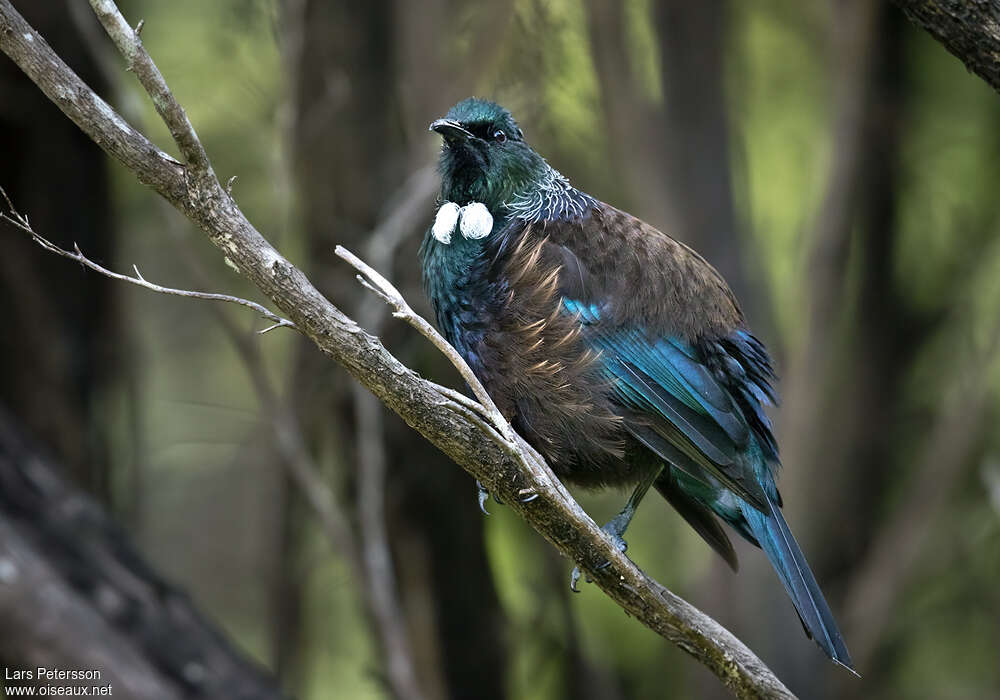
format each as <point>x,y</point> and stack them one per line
<point>671,364</point>
<point>701,431</point>
<point>682,398</point>
<point>693,374</point>
<point>715,394</point>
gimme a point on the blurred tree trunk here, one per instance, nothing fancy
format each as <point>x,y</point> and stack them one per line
<point>823,388</point>
<point>74,594</point>
<point>340,140</point>
<point>367,84</point>
<point>62,338</point>
<point>675,157</point>
<point>845,391</point>
<point>287,588</point>
<point>695,132</point>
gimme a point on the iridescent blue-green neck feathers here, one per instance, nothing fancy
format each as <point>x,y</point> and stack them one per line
<point>484,158</point>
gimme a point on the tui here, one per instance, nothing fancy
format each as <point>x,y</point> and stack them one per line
<point>619,353</point>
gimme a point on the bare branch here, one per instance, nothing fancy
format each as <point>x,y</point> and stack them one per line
<point>506,438</point>
<point>553,513</point>
<point>21,221</point>
<point>461,399</point>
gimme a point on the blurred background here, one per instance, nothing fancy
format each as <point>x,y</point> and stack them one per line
<point>833,161</point>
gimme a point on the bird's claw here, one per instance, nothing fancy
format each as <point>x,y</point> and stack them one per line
<point>483,495</point>
<point>616,539</point>
<point>527,495</point>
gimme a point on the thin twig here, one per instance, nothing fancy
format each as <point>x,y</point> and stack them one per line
<point>20,221</point>
<point>384,289</point>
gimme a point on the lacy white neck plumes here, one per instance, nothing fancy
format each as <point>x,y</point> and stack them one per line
<point>474,220</point>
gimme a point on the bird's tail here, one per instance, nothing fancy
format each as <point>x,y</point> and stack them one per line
<point>783,551</point>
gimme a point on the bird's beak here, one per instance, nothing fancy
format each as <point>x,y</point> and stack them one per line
<point>451,130</point>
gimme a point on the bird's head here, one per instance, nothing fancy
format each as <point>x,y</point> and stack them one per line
<point>484,157</point>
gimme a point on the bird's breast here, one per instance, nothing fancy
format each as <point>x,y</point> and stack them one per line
<point>533,359</point>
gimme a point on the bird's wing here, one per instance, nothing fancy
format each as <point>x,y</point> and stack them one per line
<point>667,331</point>
<point>677,407</point>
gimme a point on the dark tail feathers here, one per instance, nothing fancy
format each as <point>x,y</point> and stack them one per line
<point>783,551</point>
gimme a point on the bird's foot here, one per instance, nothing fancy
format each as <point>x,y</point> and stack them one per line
<point>483,495</point>
<point>615,529</point>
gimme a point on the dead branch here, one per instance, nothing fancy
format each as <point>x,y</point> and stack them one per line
<point>21,221</point>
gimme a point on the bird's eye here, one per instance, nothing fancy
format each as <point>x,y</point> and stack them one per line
<point>499,136</point>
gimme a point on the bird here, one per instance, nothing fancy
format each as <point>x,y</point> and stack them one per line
<point>619,353</point>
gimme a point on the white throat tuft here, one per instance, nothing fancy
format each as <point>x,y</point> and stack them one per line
<point>473,220</point>
<point>476,220</point>
<point>445,221</point>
